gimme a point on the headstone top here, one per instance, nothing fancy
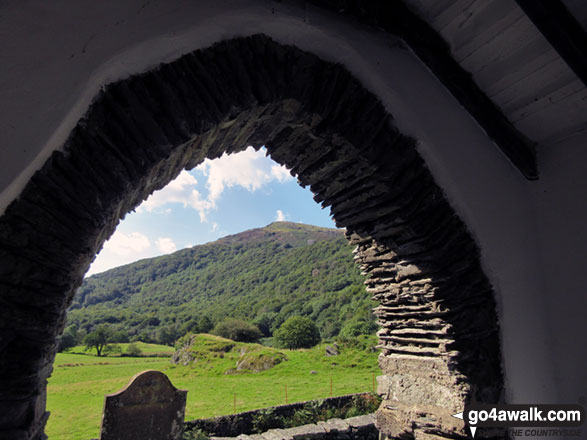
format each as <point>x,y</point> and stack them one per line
<point>148,408</point>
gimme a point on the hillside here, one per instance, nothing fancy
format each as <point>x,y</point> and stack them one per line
<point>261,275</point>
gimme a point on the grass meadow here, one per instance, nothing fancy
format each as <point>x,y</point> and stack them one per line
<point>79,382</point>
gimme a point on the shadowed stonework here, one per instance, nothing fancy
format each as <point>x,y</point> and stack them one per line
<point>439,336</point>
<point>149,408</point>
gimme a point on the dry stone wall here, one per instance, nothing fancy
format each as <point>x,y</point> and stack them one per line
<point>233,425</point>
<point>359,428</point>
<point>439,327</point>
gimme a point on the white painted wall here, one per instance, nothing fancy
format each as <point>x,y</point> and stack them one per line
<point>56,55</point>
<point>561,207</point>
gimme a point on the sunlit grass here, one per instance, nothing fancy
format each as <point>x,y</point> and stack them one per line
<point>146,349</point>
<point>78,385</point>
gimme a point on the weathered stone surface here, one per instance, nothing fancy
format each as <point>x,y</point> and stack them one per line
<point>335,425</point>
<point>403,420</point>
<point>252,436</point>
<point>423,435</point>
<point>359,428</point>
<point>332,350</point>
<point>277,434</point>
<point>359,422</point>
<point>307,432</point>
<point>149,408</point>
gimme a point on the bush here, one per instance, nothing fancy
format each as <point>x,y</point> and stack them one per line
<point>297,332</point>
<point>166,335</point>
<point>356,327</point>
<point>133,350</point>
<point>267,342</point>
<point>70,338</point>
<point>314,411</point>
<point>330,329</point>
<point>120,336</point>
<point>205,324</point>
<point>65,342</point>
<point>365,404</point>
<point>112,349</point>
<point>264,322</point>
<point>237,330</point>
<point>195,434</point>
<point>310,413</point>
<point>266,419</point>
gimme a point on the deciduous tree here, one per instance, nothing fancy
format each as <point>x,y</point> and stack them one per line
<point>98,338</point>
<point>297,332</point>
<point>237,330</point>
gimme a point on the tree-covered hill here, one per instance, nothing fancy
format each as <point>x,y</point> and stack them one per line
<point>263,276</point>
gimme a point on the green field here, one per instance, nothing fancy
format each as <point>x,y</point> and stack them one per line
<point>146,349</point>
<point>79,382</point>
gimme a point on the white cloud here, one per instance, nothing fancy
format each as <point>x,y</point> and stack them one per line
<point>249,169</point>
<point>165,245</point>
<point>179,190</point>
<point>127,244</point>
<point>124,248</point>
<point>214,227</point>
<point>280,216</point>
<point>201,205</point>
<point>280,173</point>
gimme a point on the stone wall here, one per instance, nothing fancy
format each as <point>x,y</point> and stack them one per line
<point>359,428</point>
<point>437,324</point>
<point>232,425</point>
<point>439,337</point>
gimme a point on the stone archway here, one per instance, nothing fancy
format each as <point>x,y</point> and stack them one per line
<point>439,336</point>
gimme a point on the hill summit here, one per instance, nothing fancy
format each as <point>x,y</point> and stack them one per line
<point>262,275</point>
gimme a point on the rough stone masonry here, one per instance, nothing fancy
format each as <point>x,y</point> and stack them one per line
<point>353,428</point>
<point>439,335</point>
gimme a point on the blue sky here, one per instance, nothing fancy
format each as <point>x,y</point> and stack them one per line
<point>217,198</point>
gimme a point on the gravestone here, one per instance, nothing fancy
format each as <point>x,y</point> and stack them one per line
<point>149,408</point>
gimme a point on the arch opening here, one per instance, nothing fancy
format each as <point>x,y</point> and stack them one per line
<point>219,197</point>
<point>439,333</point>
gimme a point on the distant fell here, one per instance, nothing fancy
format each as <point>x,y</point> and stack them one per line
<point>262,275</point>
<point>294,234</point>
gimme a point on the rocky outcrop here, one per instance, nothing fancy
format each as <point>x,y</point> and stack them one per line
<point>259,361</point>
